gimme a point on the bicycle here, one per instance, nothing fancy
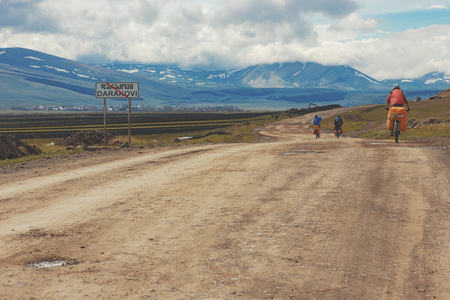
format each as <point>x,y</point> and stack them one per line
<point>396,119</point>
<point>396,130</point>
<point>316,131</point>
<point>337,132</point>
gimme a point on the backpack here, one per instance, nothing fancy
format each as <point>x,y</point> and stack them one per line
<point>338,122</point>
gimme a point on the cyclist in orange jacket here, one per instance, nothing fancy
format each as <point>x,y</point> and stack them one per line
<point>397,99</point>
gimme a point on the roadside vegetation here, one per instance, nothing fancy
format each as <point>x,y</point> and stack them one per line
<point>433,117</point>
<point>243,132</point>
<point>237,131</point>
<point>365,122</point>
<point>48,150</point>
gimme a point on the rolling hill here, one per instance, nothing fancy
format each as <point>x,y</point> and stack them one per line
<point>31,78</point>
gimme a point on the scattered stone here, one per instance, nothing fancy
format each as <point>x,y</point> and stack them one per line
<point>413,123</point>
<point>434,121</point>
<point>183,138</point>
<point>53,263</point>
<point>124,145</point>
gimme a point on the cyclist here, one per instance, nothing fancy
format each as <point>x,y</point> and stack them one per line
<point>338,124</point>
<point>397,99</point>
<point>316,124</point>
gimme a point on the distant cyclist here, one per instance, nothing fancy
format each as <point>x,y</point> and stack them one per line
<point>397,100</point>
<point>316,125</point>
<point>338,124</point>
<point>317,120</point>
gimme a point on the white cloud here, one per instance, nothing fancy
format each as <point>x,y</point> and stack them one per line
<point>226,33</point>
<point>439,7</point>
<point>354,22</point>
<point>434,6</point>
<point>411,53</point>
<point>25,15</point>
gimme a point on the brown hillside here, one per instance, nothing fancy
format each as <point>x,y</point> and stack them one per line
<point>444,94</point>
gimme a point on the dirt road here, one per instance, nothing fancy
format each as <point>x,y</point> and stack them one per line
<point>291,217</point>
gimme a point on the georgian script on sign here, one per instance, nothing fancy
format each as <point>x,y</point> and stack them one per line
<point>117,90</point>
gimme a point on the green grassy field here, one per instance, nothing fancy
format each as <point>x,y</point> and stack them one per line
<point>242,132</point>
<point>219,129</point>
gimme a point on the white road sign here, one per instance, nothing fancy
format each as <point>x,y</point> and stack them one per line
<point>117,90</point>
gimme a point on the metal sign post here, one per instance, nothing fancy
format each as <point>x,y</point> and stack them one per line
<point>117,90</point>
<point>129,121</point>
<point>104,114</point>
<point>104,120</point>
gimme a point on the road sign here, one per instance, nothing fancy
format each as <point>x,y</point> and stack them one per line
<point>117,90</point>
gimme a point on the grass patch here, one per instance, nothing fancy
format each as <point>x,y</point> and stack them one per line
<point>49,148</point>
<point>243,132</point>
<point>240,133</point>
<point>412,134</point>
<point>353,121</point>
<point>370,122</point>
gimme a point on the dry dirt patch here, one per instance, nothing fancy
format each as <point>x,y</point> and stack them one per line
<point>86,138</point>
<point>11,147</point>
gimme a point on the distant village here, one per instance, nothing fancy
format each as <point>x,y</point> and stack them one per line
<point>124,107</point>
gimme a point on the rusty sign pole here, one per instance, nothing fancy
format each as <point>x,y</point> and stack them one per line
<point>104,114</point>
<point>104,121</point>
<point>129,121</point>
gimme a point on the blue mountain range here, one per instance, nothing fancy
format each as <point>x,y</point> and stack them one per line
<point>29,78</point>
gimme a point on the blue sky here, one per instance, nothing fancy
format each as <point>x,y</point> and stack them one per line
<point>383,38</point>
<point>414,19</point>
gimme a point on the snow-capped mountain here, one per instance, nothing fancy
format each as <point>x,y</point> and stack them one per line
<point>31,77</point>
<point>283,75</point>
<point>430,81</point>
<point>300,75</point>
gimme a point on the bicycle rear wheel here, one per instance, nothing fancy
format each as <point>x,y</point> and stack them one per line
<point>396,130</point>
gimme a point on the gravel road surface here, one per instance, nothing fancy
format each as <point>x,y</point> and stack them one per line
<point>290,217</point>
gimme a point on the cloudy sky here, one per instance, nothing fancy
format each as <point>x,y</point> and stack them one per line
<point>383,38</point>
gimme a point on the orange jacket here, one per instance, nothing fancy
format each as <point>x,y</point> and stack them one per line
<point>396,97</point>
